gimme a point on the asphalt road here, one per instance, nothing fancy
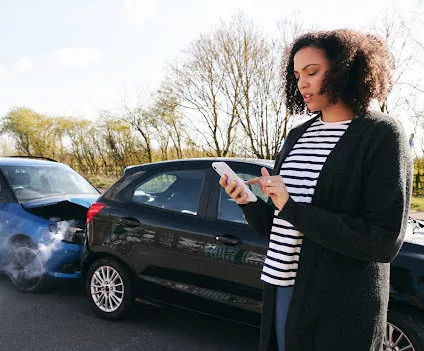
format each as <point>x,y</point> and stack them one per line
<point>62,320</point>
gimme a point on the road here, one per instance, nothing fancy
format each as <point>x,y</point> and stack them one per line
<point>62,320</point>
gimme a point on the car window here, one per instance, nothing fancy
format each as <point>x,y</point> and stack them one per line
<point>40,181</point>
<point>174,190</point>
<point>228,210</point>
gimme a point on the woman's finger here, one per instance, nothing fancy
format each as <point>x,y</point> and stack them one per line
<point>264,172</point>
<point>236,193</point>
<point>223,181</point>
<point>253,181</point>
<point>241,200</point>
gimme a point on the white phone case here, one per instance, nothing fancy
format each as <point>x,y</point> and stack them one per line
<point>222,168</point>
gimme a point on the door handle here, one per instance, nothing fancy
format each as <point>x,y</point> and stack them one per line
<point>228,239</point>
<point>129,222</point>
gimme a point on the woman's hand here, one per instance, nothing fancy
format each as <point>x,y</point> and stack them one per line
<point>272,186</point>
<point>233,190</point>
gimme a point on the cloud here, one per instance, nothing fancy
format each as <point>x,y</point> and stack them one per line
<point>76,56</point>
<point>2,69</point>
<point>23,65</point>
<point>139,10</point>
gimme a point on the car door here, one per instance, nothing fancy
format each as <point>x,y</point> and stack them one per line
<point>164,219</point>
<point>234,253</point>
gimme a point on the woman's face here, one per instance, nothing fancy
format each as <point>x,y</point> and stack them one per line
<point>310,66</point>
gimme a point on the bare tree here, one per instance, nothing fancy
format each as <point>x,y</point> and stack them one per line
<point>260,62</point>
<point>169,119</point>
<point>419,15</point>
<point>231,78</point>
<point>136,114</point>
<point>199,84</point>
<point>395,28</point>
<point>251,72</point>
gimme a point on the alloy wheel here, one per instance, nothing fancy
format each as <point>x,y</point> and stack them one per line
<point>107,289</point>
<point>396,340</point>
<point>25,268</point>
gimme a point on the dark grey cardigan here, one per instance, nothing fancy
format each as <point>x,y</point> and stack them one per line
<point>352,229</point>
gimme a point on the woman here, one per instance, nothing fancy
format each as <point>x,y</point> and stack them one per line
<point>339,199</point>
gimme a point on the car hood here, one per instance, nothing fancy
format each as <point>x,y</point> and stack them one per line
<point>81,200</point>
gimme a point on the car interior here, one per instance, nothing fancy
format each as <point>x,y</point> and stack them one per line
<point>180,192</point>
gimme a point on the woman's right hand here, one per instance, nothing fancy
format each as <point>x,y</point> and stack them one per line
<point>233,190</point>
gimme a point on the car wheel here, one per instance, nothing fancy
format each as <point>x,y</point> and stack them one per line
<point>404,331</point>
<point>25,268</point>
<point>109,287</point>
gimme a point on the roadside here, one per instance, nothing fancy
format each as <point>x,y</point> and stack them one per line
<point>419,215</point>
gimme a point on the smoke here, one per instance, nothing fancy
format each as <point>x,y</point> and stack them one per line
<point>24,261</point>
<point>64,230</point>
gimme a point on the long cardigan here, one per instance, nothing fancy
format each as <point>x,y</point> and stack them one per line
<point>352,229</point>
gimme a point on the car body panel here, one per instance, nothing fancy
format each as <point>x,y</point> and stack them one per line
<point>206,262</point>
<point>81,200</point>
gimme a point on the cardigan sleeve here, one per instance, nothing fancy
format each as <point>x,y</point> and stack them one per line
<point>379,232</point>
<point>259,215</point>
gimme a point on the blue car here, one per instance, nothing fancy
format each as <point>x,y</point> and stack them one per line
<point>43,206</point>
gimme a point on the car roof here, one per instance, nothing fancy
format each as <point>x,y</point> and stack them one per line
<point>23,161</point>
<point>203,160</point>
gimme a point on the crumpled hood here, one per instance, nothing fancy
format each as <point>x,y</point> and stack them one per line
<point>81,200</point>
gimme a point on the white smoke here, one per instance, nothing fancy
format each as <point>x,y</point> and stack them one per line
<point>29,261</point>
<point>64,230</point>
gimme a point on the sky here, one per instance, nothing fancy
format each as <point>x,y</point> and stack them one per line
<point>77,58</point>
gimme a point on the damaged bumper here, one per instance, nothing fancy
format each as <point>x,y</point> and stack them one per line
<point>61,239</point>
<point>64,261</point>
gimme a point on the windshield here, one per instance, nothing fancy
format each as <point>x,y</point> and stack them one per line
<point>40,181</point>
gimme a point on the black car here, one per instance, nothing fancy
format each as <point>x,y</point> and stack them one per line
<point>166,233</point>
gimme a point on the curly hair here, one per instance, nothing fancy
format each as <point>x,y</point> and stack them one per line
<point>360,69</point>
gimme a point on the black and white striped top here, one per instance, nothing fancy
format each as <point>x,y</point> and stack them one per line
<point>300,172</point>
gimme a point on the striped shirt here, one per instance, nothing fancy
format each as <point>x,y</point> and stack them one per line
<point>300,172</point>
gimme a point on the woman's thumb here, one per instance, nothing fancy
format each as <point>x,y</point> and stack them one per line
<point>264,172</point>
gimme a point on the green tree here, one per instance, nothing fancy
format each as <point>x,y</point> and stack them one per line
<point>33,134</point>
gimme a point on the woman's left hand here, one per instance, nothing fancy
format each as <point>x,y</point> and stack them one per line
<point>272,186</point>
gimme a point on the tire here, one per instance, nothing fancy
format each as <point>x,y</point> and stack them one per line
<point>405,331</point>
<point>25,268</point>
<point>109,288</point>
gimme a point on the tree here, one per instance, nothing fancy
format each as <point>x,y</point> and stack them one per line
<point>170,124</point>
<point>258,63</point>
<point>120,143</point>
<point>395,28</point>
<point>138,117</point>
<point>200,84</point>
<point>231,78</point>
<point>82,137</point>
<point>33,133</point>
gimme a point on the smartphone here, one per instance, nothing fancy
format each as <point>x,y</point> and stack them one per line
<point>222,168</point>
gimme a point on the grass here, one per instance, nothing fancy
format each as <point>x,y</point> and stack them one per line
<point>417,203</point>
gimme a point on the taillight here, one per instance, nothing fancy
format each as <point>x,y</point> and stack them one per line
<point>94,210</point>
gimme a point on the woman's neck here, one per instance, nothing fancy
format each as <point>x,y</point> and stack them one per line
<point>337,112</point>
